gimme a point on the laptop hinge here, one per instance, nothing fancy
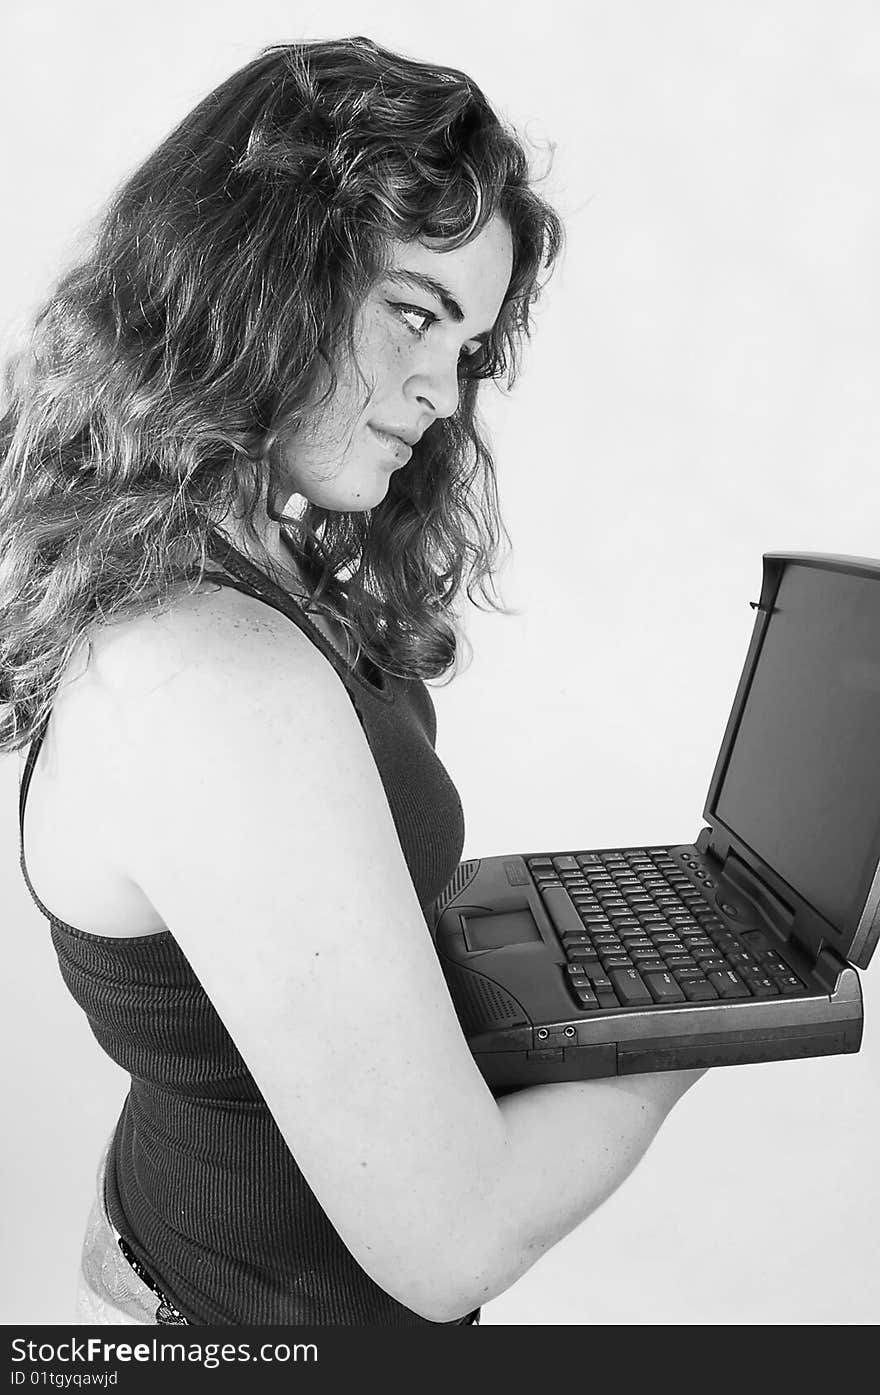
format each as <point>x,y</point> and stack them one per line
<point>777,911</point>
<point>828,967</point>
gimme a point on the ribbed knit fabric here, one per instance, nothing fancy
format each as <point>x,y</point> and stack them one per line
<point>199,1180</point>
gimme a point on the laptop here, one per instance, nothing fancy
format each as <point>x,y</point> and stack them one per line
<point>741,946</point>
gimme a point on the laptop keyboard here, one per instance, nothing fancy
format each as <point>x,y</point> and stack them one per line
<point>637,932</point>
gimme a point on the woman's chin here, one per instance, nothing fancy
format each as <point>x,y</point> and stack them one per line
<point>369,496</point>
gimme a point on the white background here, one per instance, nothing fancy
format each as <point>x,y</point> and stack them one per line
<point>702,388</point>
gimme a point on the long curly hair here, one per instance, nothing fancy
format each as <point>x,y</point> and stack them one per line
<point>220,289</point>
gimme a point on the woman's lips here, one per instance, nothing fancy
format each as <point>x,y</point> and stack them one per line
<point>393,445</point>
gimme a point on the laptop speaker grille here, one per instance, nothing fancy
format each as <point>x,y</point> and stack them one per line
<point>479,1002</point>
<point>461,877</point>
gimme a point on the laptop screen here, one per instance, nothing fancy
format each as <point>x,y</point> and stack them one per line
<point>802,784</point>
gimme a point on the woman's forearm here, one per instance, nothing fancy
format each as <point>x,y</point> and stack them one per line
<point>569,1146</point>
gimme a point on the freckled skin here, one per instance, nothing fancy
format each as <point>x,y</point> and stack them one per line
<point>335,461</point>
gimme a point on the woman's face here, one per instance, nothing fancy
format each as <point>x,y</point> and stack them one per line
<point>429,310</point>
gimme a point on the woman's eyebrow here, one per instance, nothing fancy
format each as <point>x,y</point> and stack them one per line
<point>435,288</point>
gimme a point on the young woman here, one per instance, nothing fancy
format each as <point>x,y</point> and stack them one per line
<point>243,489</point>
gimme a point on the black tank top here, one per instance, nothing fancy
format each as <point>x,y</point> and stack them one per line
<point>199,1179</point>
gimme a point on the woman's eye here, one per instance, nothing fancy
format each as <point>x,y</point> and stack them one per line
<point>419,321</point>
<point>409,313</point>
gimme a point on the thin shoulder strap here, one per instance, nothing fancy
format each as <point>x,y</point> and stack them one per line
<point>311,631</point>
<point>262,588</point>
<point>285,604</point>
<point>288,607</point>
<point>26,778</point>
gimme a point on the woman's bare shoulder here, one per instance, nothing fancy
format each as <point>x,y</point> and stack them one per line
<point>197,631</point>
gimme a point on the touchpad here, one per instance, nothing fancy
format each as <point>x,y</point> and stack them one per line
<point>496,931</point>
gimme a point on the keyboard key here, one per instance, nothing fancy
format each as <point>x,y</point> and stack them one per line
<point>616,961</point>
<point>566,864</point>
<point>646,956</point>
<point>630,987</point>
<point>680,961</point>
<point>599,980</point>
<point>774,964</point>
<point>689,973</point>
<point>583,968</point>
<point>709,962</point>
<point>607,998</point>
<point>728,943</point>
<point>586,997</point>
<point>728,984</point>
<point>561,910</point>
<point>699,990</point>
<point>742,960</point>
<point>662,986</point>
<point>579,952</point>
<point>762,987</point>
<point>789,984</point>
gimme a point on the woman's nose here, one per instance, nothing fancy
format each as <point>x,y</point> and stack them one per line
<point>439,389</point>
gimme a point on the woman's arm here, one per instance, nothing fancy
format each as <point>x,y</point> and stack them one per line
<point>253,817</point>
<point>573,1145</point>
